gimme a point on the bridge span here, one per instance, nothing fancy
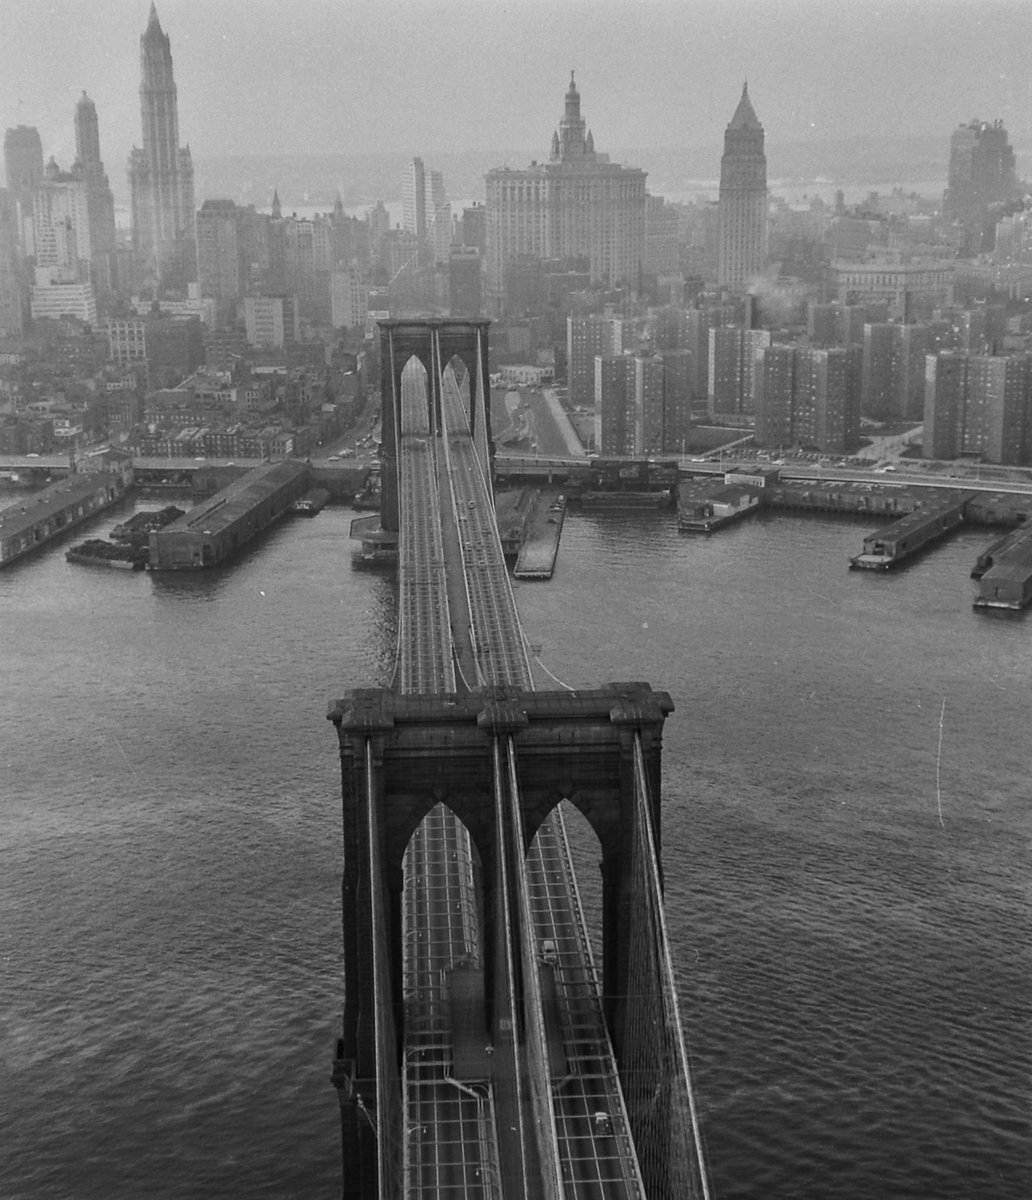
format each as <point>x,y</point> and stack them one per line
<point>482,1053</point>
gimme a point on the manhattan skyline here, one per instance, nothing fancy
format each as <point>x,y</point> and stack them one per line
<point>659,73</point>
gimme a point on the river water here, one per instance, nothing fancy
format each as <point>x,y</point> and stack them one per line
<point>846,821</point>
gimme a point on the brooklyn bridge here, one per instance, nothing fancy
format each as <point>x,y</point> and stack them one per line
<point>485,1050</point>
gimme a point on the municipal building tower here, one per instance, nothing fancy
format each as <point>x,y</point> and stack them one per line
<point>578,204</point>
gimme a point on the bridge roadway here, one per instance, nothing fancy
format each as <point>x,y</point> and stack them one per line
<point>466,1136</point>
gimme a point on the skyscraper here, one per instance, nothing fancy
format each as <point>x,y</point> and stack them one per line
<point>1010,410</point>
<point>100,202</point>
<point>981,174</point>
<point>614,404</point>
<point>161,174</point>
<point>23,171</point>
<point>61,246</point>
<point>220,259</point>
<point>87,138</point>
<point>742,252</point>
<point>587,337</point>
<point>733,354</point>
<point>426,216</point>
<point>438,218</point>
<point>639,404</point>
<point>61,224</point>
<point>23,160</point>
<point>807,397</point>
<point>11,307</point>
<point>578,204</point>
<point>946,386</point>
<point>426,210</point>
<point>413,199</point>
<point>696,339</point>
<point>464,294</point>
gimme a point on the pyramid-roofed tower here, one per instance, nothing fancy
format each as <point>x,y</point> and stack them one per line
<point>745,115</point>
<point>742,253</point>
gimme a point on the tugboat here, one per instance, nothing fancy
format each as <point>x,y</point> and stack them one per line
<point>312,502</point>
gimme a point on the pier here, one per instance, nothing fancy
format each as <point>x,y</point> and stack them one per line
<point>544,528</point>
<point>893,544</point>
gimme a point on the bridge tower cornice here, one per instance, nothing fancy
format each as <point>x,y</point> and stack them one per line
<point>577,746</point>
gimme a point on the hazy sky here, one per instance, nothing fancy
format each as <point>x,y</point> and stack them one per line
<point>420,76</point>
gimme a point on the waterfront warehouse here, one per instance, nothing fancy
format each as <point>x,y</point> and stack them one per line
<point>213,530</point>
<point>39,517</point>
<point>1006,581</point>
<point>893,544</point>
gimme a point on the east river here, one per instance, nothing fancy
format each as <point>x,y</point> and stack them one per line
<point>847,796</point>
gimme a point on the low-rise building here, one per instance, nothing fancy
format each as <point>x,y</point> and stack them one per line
<point>894,280</point>
<point>526,375</point>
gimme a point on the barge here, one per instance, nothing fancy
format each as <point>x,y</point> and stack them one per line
<point>594,501</point>
<point>96,552</point>
<point>140,526</point>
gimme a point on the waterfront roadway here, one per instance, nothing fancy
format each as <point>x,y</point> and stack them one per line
<point>899,475</point>
<point>959,476</point>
